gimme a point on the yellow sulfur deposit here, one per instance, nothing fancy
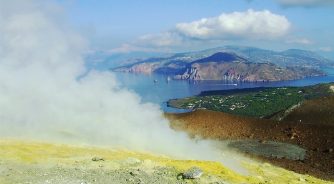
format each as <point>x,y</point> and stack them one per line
<point>32,161</point>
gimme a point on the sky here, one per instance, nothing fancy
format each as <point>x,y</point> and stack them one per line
<point>182,25</point>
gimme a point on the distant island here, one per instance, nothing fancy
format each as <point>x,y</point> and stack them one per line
<point>233,63</point>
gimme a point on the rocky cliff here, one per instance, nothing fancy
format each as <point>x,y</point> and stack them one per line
<point>240,71</point>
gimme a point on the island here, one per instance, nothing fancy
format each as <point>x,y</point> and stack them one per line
<point>238,64</point>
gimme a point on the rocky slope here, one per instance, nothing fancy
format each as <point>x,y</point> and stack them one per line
<point>302,128</point>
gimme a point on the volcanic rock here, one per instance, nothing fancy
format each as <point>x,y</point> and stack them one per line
<point>193,173</point>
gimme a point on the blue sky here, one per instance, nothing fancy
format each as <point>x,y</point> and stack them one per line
<point>127,24</point>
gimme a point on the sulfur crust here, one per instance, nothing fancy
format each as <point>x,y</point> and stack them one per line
<point>26,152</point>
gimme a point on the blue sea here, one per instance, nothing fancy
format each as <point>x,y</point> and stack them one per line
<point>157,89</point>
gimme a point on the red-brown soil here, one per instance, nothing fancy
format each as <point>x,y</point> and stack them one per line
<point>317,111</point>
<point>315,133</point>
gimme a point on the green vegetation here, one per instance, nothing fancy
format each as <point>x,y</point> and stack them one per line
<point>258,102</point>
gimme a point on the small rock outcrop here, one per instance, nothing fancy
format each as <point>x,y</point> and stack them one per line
<point>193,173</point>
<point>97,159</point>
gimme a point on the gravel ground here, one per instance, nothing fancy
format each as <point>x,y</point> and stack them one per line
<point>270,149</point>
<point>38,174</point>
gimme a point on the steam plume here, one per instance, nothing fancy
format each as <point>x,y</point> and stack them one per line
<point>42,98</point>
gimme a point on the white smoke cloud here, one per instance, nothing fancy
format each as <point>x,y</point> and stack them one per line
<point>42,98</point>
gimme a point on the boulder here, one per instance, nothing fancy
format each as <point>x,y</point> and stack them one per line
<point>193,173</point>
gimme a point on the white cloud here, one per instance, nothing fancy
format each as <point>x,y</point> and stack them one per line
<point>303,41</point>
<point>305,3</point>
<point>245,25</point>
<point>126,48</point>
<point>165,39</point>
<point>326,49</point>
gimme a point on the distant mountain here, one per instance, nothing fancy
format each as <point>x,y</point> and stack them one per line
<point>104,60</point>
<point>221,57</point>
<point>233,63</point>
<point>291,57</point>
<point>234,68</point>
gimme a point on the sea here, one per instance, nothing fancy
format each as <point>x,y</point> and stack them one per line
<point>158,89</point>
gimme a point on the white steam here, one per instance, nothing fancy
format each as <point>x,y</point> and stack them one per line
<point>42,98</point>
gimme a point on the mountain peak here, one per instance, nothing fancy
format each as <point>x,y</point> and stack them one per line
<point>221,57</point>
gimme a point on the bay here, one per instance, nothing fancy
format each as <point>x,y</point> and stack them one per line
<point>158,89</point>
